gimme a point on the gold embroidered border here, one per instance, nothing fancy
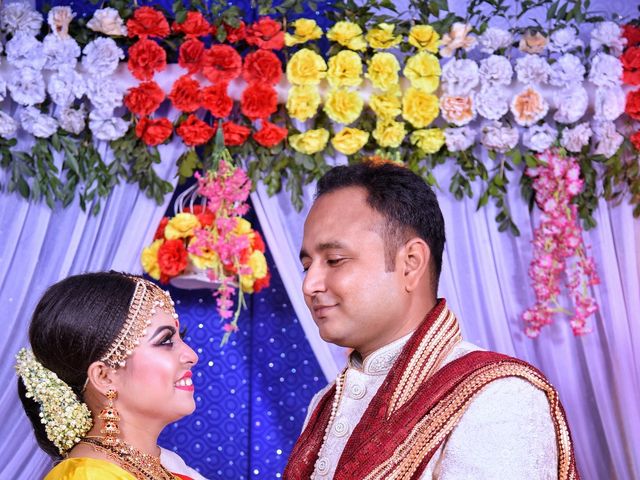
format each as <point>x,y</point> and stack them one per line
<point>430,431</point>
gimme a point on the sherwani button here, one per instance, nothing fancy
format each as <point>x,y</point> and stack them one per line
<point>340,428</point>
<point>322,466</point>
<point>358,391</point>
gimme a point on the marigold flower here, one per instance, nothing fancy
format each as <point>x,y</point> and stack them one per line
<point>343,106</point>
<point>347,34</point>
<point>303,102</point>
<point>345,69</point>
<point>424,37</point>
<point>429,141</point>
<point>389,133</point>
<point>382,70</point>
<point>381,36</point>
<point>306,67</point>
<point>305,29</point>
<point>423,71</point>
<point>349,140</point>
<point>310,142</point>
<point>419,108</point>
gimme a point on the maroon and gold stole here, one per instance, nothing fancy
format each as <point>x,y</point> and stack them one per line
<point>418,406</point>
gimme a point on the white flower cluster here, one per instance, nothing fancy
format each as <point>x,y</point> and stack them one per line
<point>543,92</point>
<point>66,82</point>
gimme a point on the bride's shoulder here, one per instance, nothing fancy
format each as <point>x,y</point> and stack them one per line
<point>84,468</point>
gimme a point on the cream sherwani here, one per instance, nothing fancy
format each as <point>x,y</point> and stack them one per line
<point>506,433</point>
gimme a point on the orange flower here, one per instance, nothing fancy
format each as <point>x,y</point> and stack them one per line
<point>457,110</point>
<point>528,107</point>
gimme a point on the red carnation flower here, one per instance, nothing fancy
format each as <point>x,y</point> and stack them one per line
<point>185,94</point>
<point>632,107</point>
<point>235,34</point>
<point>234,134</point>
<point>194,131</point>
<point>632,34</point>
<point>147,21</point>
<point>262,66</point>
<point>262,283</point>
<point>258,101</point>
<point>635,140</point>
<point>145,58</point>
<point>160,230</point>
<point>190,55</point>
<point>204,215</point>
<point>266,33</point>
<point>216,100</point>
<point>270,134</point>
<point>195,25</point>
<point>154,131</point>
<point>144,99</point>
<point>631,64</point>
<point>257,243</point>
<point>172,257</point>
<point>221,63</point>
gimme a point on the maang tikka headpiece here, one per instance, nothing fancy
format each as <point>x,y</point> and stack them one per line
<point>147,299</point>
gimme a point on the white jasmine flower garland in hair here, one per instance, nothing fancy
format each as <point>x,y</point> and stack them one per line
<point>65,418</point>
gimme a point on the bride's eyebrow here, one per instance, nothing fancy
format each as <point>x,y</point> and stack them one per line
<point>161,329</point>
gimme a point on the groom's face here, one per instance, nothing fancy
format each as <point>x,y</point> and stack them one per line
<point>353,298</point>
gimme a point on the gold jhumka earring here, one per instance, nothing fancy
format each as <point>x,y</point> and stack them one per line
<point>109,415</point>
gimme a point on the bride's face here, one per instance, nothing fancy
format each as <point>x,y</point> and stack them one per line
<point>156,383</point>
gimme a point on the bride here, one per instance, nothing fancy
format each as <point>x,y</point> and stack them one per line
<point>108,370</point>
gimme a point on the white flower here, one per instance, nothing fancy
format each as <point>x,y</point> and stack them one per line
<point>573,139</point>
<point>459,139</point>
<point>458,37</point>
<point>494,39</point>
<point>61,53</point>
<point>532,69</point>
<point>539,137</point>
<point>495,70</point>
<point>499,137</point>
<point>65,86</point>
<point>26,86</point>
<point>105,94</point>
<point>8,125</point>
<point>24,51</point>
<point>564,40</point>
<point>528,107</point>
<point>567,71</point>
<point>571,104</point>
<point>606,139</point>
<point>20,17</point>
<point>608,34</point>
<point>72,120</point>
<point>459,77</point>
<point>107,127</point>
<point>492,102</point>
<point>59,19</point>
<point>38,124</point>
<point>606,70</point>
<point>107,21</point>
<point>3,89</point>
<point>101,57</point>
<point>609,103</point>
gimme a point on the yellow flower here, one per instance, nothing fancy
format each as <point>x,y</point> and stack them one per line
<point>385,105</point>
<point>423,71</point>
<point>306,67</point>
<point>246,283</point>
<point>345,69</point>
<point>347,34</point>
<point>310,142</point>
<point>181,226</point>
<point>429,141</point>
<point>419,107</point>
<point>305,29</point>
<point>424,37</point>
<point>243,226</point>
<point>258,264</point>
<point>382,70</point>
<point>207,258</point>
<point>382,36</point>
<point>303,102</point>
<point>343,106</point>
<point>149,259</point>
<point>389,133</point>
<point>349,140</point>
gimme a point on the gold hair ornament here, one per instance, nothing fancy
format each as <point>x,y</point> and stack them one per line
<point>65,418</point>
<point>147,298</point>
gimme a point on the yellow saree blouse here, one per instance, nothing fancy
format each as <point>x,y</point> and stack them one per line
<point>87,469</point>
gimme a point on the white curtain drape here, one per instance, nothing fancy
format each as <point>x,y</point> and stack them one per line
<point>39,247</point>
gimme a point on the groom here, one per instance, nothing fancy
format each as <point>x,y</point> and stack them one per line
<point>415,400</point>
